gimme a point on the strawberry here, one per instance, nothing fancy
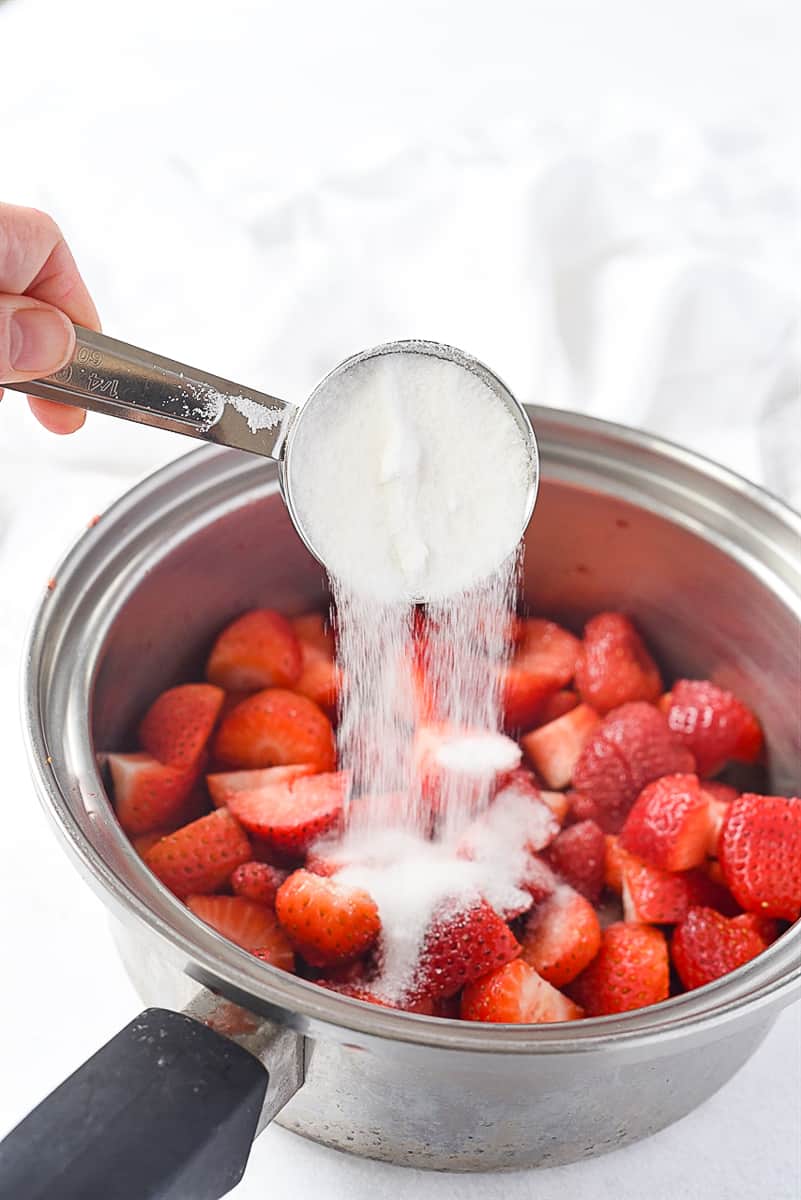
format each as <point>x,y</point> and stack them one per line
<point>147,794</point>
<point>201,856</point>
<point>760,853</point>
<point>614,666</point>
<point>556,706</point>
<point>361,991</point>
<point>290,816</point>
<point>562,937</point>
<point>313,629</point>
<point>707,945</point>
<point>144,841</point>
<point>655,897</point>
<point>537,879</point>
<point>179,722</point>
<point>249,925</point>
<point>719,796</point>
<point>766,927</point>
<point>459,945</point>
<point>258,881</point>
<point>276,728</point>
<point>614,861</point>
<point>543,661</point>
<point>713,724</point>
<point>630,971</point>
<point>464,762</point>
<point>326,921</point>
<point>515,994</point>
<point>226,784</point>
<point>631,747</point>
<point>319,678</point>
<point>554,749</point>
<point>258,650</point>
<point>517,813</point>
<point>578,854</point>
<point>668,826</point>
<point>558,804</point>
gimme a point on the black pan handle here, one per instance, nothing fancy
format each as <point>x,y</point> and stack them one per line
<point>167,1110</point>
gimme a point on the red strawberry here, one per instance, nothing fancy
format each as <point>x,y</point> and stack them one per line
<point>361,991</point>
<point>314,630</point>
<point>556,706</point>
<point>144,841</point>
<point>459,945</point>
<point>544,661</point>
<point>720,796</point>
<point>760,853</point>
<point>229,783</point>
<point>179,722</point>
<point>515,994</point>
<point>247,924</point>
<point>630,971</point>
<point>578,854</point>
<point>290,816</point>
<point>258,881</point>
<point>614,666</point>
<point>327,922</point>
<point>614,861</point>
<point>276,728</point>
<point>258,650</point>
<point>766,927</point>
<point>707,945</point>
<point>558,804</point>
<point>538,879</point>
<point>631,747</point>
<point>202,856</point>
<point>656,897</point>
<point>714,724</point>
<point>147,794</point>
<point>562,937</point>
<point>468,761</point>
<point>554,749</point>
<point>319,678</point>
<point>668,825</point>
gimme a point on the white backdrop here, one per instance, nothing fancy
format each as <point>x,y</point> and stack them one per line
<point>599,200</point>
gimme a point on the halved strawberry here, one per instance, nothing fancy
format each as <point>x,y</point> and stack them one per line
<point>713,724</point>
<point>223,785</point>
<point>319,678</point>
<point>290,816</point>
<point>258,881</point>
<point>558,804</point>
<point>276,728</point>
<point>247,924</point>
<point>260,649</point>
<point>425,1006</point>
<point>515,994</point>
<point>147,794</point>
<point>467,763</point>
<point>630,971</point>
<point>562,936</point>
<point>614,861</point>
<point>706,945</point>
<point>543,662</point>
<point>578,854</point>
<point>668,825</point>
<point>760,853</point>
<point>554,749</point>
<point>313,629</point>
<point>720,796</point>
<point>201,856</point>
<point>557,705</point>
<point>631,747</point>
<point>614,666</point>
<point>326,921</point>
<point>459,945</point>
<point>656,897</point>
<point>179,722</point>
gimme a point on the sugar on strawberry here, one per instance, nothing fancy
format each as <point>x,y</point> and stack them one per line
<point>578,855</point>
<point>760,854</point>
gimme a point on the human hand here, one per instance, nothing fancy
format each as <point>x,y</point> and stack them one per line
<point>41,294</point>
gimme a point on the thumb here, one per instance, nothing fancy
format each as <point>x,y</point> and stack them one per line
<point>35,339</point>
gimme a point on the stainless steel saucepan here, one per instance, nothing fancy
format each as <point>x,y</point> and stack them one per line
<point>709,565</point>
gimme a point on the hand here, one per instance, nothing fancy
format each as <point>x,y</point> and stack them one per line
<point>41,293</point>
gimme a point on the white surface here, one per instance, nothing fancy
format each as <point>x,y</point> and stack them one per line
<point>599,200</point>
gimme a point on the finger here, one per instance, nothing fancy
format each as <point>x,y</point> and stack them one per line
<point>35,339</point>
<point>36,261</point>
<point>58,418</point>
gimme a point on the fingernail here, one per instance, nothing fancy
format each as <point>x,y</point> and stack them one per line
<point>40,340</point>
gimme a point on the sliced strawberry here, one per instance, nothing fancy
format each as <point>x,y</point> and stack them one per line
<point>258,650</point>
<point>326,921</point>
<point>760,853</point>
<point>179,722</point>
<point>144,841</point>
<point>538,879</point>
<point>614,666</point>
<point>313,629</point>
<point>462,762</point>
<point>459,945</point>
<point>668,825</point>
<point>515,994</point>
<point>360,991</point>
<point>202,856</point>
<point>249,925</point>
<point>720,796</point>
<point>147,794</point>
<point>276,728</point>
<point>562,937</point>
<point>544,661</point>
<point>631,747</point>
<point>578,854</point>
<point>223,786</point>
<point>706,946</point>
<point>554,749</point>
<point>558,804</point>
<point>655,897</point>
<point>290,816</point>
<point>630,971</point>
<point>614,861</point>
<point>319,678</point>
<point>557,705</point>
<point>258,881</point>
<point>713,724</point>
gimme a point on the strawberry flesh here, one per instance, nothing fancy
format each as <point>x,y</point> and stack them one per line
<point>515,994</point>
<point>247,924</point>
<point>459,946</point>
<point>562,937</point>
<point>543,662</point>
<point>290,816</point>
<point>258,881</point>
<point>147,794</point>
<point>554,749</point>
